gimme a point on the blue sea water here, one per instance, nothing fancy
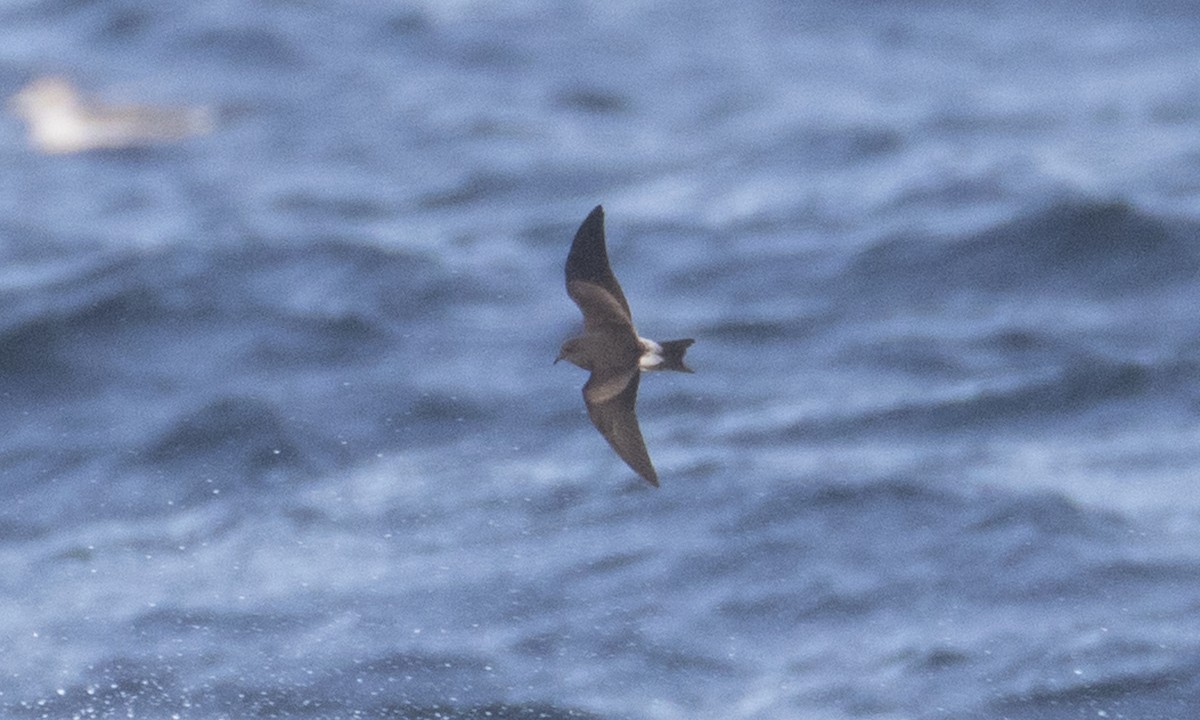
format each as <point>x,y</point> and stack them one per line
<point>282,437</point>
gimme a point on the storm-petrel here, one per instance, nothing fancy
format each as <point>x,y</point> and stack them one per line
<point>610,347</point>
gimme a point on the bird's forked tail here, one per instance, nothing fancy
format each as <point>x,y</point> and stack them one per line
<point>672,355</point>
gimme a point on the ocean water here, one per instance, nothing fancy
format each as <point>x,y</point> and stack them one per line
<point>282,437</point>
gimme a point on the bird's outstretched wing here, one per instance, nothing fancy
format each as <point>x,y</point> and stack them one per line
<point>611,401</point>
<point>588,259</point>
<point>603,315</point>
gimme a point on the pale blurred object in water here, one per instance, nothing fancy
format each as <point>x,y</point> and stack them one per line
<point>60,120</point>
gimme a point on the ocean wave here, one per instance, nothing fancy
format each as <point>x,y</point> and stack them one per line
<point>1099,249</point>
<point>1076,388</point>
<point>243,47</point>
<point>989,525</point>
<point>235,437</point>
<point>941,296</point>
<point>325,303</point>
<point>123,687</point>
<point>1166,692</point>
<point>317,341</point>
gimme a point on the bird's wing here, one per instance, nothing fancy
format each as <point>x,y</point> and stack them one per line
<point>611,401</point>
<point>588,259</point>
<point>602,313</point>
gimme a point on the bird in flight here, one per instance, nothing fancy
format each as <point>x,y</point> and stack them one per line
<point>610,348</point>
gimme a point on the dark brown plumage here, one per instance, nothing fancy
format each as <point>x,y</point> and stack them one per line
<point>610,347</point>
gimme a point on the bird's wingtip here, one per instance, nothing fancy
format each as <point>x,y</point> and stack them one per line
<point>591,226</point>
